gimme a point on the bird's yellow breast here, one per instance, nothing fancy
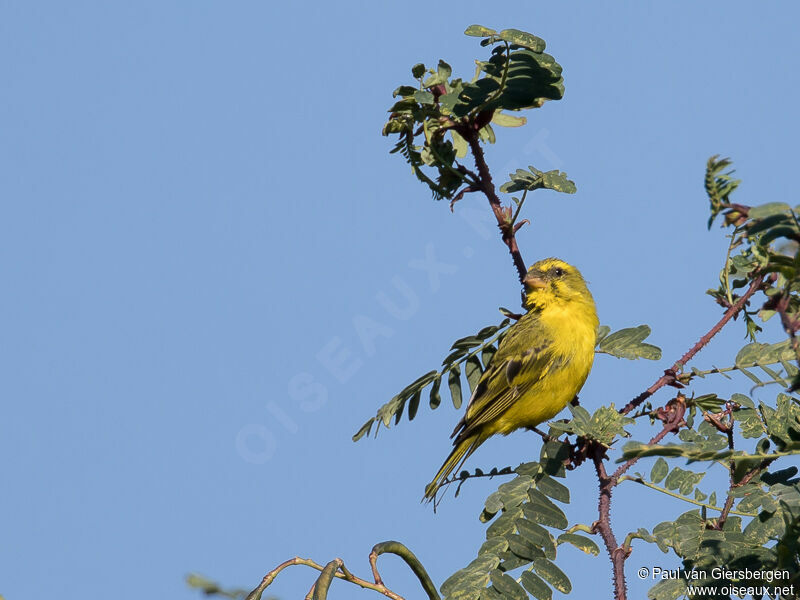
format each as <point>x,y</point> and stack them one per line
<point>573,329</point>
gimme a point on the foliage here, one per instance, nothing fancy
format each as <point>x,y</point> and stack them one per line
<point>524,538</point>
<point>752,523</point>
<point>445,111</point>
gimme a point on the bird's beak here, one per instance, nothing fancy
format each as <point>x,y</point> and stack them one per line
<point>533,281</point>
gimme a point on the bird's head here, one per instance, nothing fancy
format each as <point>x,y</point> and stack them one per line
<point>552,280</point>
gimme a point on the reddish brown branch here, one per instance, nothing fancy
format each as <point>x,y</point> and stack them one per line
<point>603,525</point>
<point>501,213</point>
<point>672,416</point>
<point>669,376</point>
<point>334,569</point>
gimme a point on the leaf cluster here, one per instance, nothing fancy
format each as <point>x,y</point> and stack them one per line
<point>437,117</point>
<point>527,527</point>
<point>769,542</point>
<point>470,355</point>
<point>604,426</point>
<point>763,241</point>
<point>775,427</point>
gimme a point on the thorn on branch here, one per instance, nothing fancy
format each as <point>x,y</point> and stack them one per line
<point>519,225</point>
<point>672,378</point>
<point>460,194</point>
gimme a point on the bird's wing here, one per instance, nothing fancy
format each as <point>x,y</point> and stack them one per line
<point>505,380</point>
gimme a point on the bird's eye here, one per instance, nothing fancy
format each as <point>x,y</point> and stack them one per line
<point>558,271</point>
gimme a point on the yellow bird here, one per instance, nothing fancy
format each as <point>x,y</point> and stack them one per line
<point>540,365</point>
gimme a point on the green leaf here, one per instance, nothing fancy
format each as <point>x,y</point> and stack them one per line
<point>768,209</point>
<point>493,504</point>
<point>523,548</point>
<point>479,31</point>
<point>668,589</point>
<point>543,511</point>
<point>413,405</point>
<point>581,542</point>
<point>487,354</point>
<point>423,97</point>
<point>783,476</point>
<point>514,492</point>
<point>535,586</point>
<point>533,179</point>
<point>418,70</point>
<point>418,384</point>
<point>467,343</point>
<point>604,425</point>
<point>550,487</point>
<point>506,120</point>
<point>637,449</point>
<point>404,91</point>
<point>522,38</point>
<point>660,470</point>
<point>459,144</point>
<point>628,343</point>
<point>742,400</point>
<point>507,586</point>
<point>365,429</point>
<point>467,582</point>
<point>757,354</point>
<point>534,533</point>
<point>494,545</point>
<point>443,70</point>
<point>454,383</point>
<point>435,397</point>
<point>548,571</point>
<point>504,524</point>
<point>553,455</point>
<point>473,371</point>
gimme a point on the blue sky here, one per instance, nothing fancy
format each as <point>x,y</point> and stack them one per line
<point>197,204</point>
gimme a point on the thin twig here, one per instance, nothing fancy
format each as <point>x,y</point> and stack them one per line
<point>341,573</point>
<point>501,213</point>
<point>669,376</point>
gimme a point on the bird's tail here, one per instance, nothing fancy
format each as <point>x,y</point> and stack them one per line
<point>457,457</point>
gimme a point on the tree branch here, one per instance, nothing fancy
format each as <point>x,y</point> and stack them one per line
<point>603,525</point>
<point>334,569</point>
<point>502,213</point>
<point>669,376</point>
